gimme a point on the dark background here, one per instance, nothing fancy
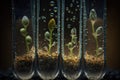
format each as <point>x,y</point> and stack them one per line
<point>113,33</point>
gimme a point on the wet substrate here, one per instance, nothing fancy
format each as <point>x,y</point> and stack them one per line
<point>71,65</point>
<point>94,64</point>
<point>24,63</point>
<point>48,63</point>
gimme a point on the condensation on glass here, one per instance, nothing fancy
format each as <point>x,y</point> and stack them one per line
<point>71,38</point>
<point>48,33</point>
<point>94,29</point>
<point>23,38</point>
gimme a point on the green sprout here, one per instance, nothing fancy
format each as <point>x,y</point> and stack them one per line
<point>97,32</point>
<point>48,34</point>
<point>71,45</point>
<point>24,33</point>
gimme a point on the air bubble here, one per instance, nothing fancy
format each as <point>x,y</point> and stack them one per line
<point>39,35</point>
<point>71,12</point>
<point>44,9</point>
<point>68,11</point>
<point>73,0</point>
<point>44,29</point>
<point>70,19</point>
<point>67,8</point>
<point>52,3</point>
<point>56,35</point>
<point>68,26</point>
<point>78,6</point>
<point>56,16</point>
<point>44,20</point>
<point>71,5</point>
<point>49,9</point>
<point>55,9</point>
<point>67,19</point>
<point>43,17</point>
<point>77,2</point>
<point>74,17</point>
<point>86,43</point>
<point>76,9</point>
<point>51,14</point>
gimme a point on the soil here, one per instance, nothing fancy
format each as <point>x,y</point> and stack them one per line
<point>71,64</point>
<point>24,63</point>
<point>48,63</point>
<point>94,63</point>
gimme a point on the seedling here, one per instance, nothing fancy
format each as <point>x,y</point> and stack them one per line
<point>98,32</point>
<point>72,44</point>
<point>48,34</point>
<point>24,33</point>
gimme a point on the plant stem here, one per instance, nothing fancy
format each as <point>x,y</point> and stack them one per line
<point>94,35</point>
<point>27,46</point>
<point>71,51</point>
<point>50,42</point>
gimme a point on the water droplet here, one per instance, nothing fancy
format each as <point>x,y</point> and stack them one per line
<point>55,9</point>
<point>67,8</point>
<point>68,26</point>
<point>52,3</point>
<point>71,5</point>
<point>51,14</point>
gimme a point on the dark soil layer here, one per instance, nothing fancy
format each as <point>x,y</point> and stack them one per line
<point>71,64</point>
<point>48,63</point>
<point>24,63</point>
<point>94,64</point>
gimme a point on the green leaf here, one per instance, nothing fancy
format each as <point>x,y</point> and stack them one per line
<point>93,14</point>
<point>99,30</point>
<point>23,32</point>
<point>28,39</point>
<point>47,35</point>
<point>25,21</point>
